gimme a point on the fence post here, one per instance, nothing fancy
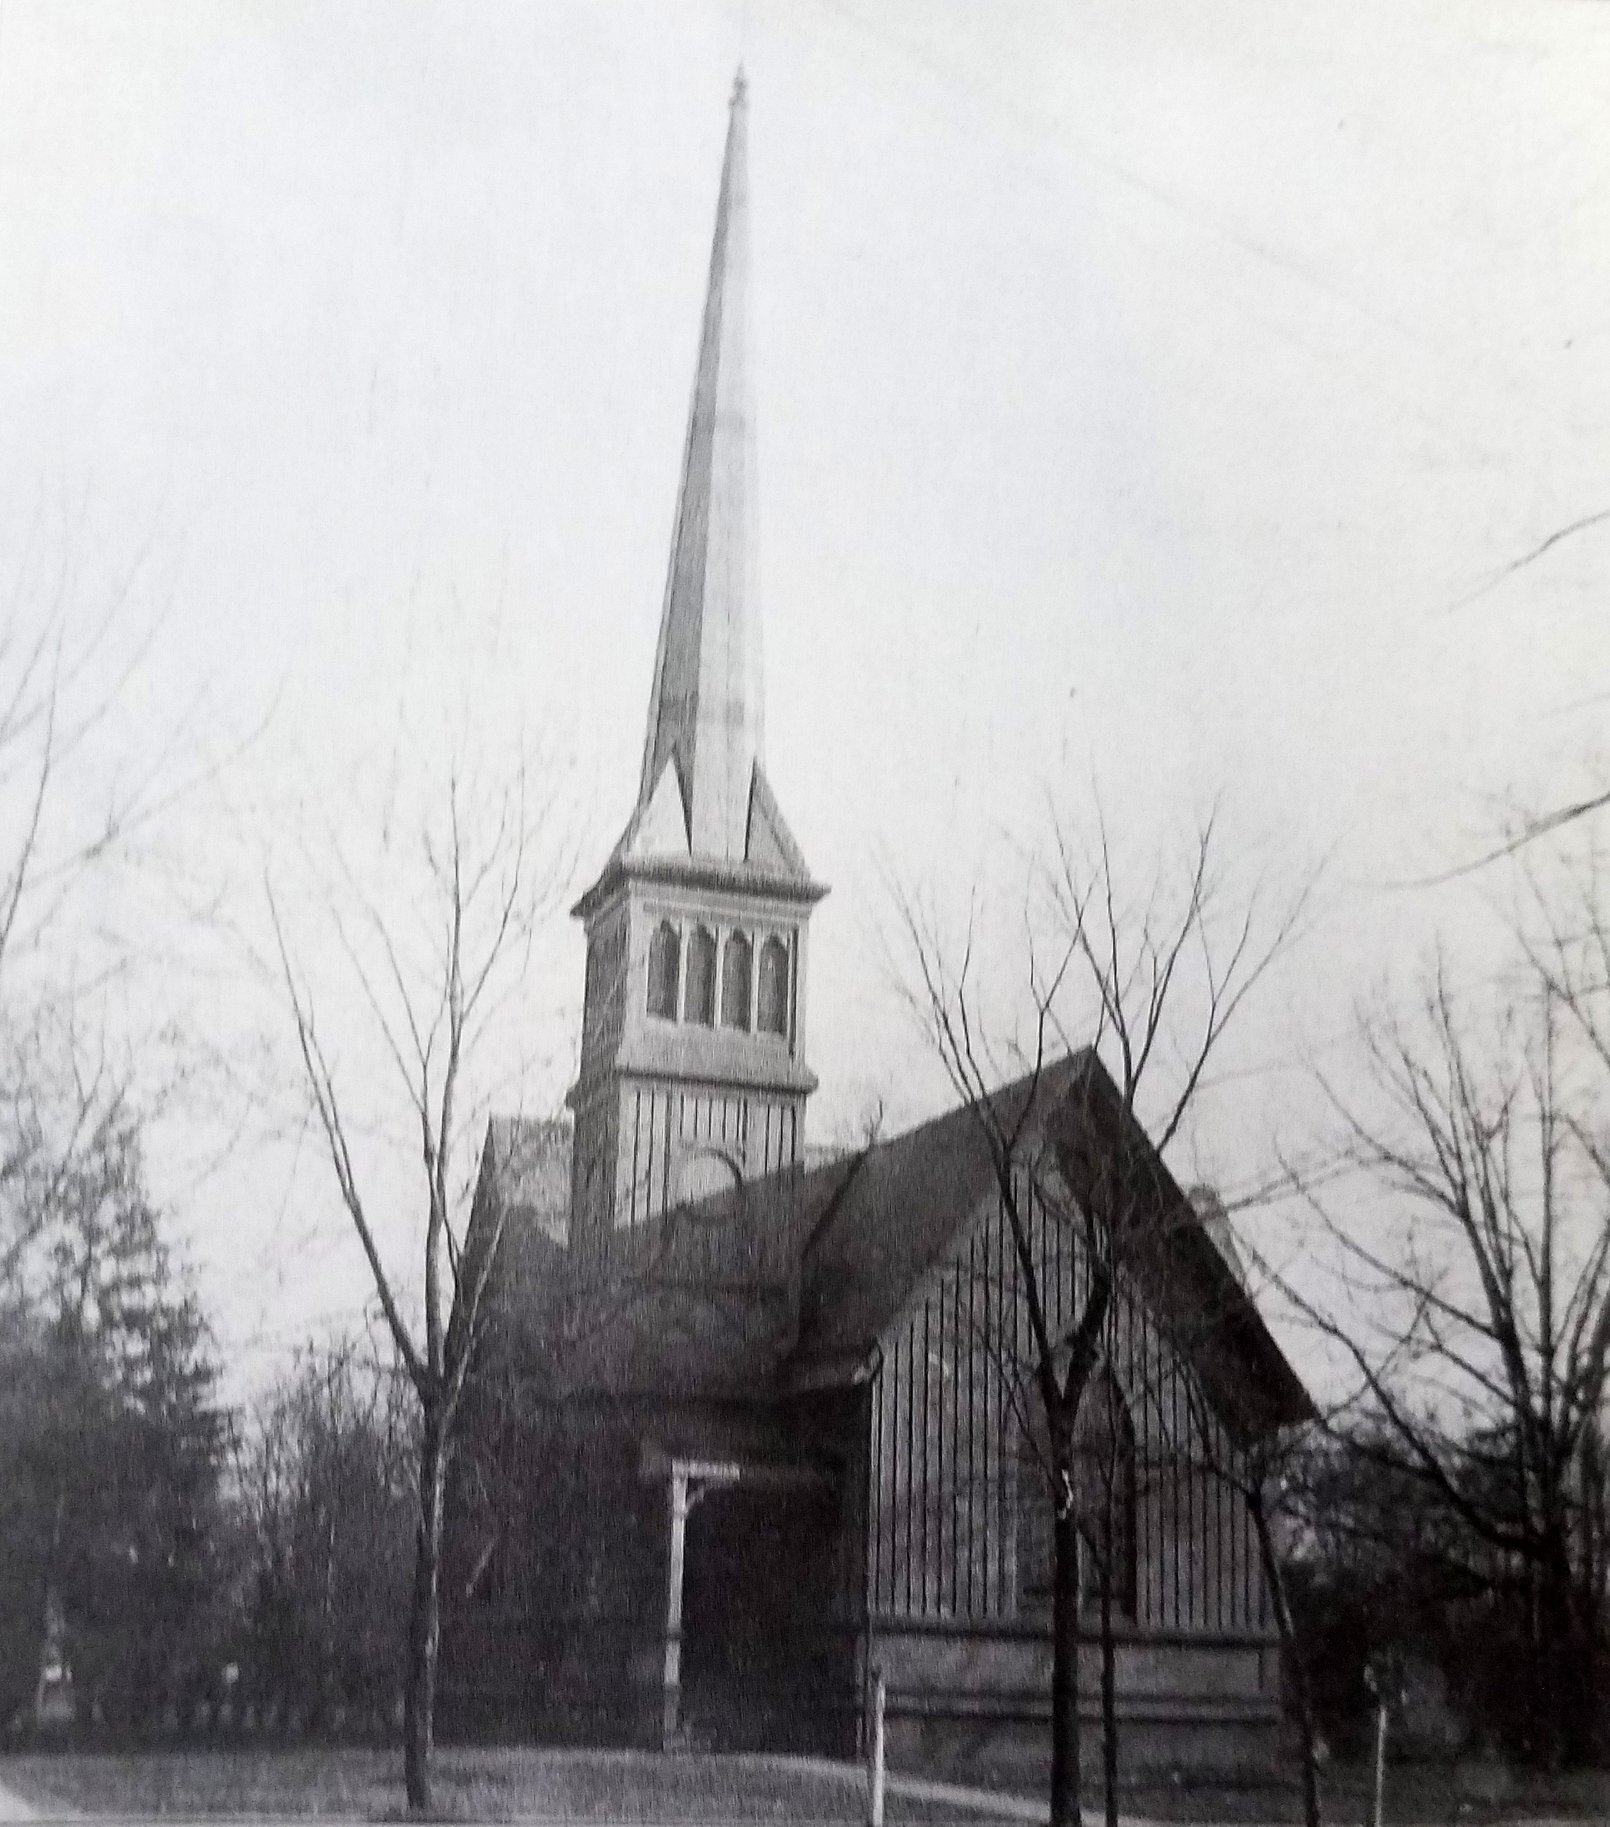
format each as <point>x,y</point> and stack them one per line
<point>874,1765</point>
<point>1383,1676</point>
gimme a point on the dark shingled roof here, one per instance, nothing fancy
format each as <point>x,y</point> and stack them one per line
<point>854,1238</point>
<point>1183,1273</point>
<point>872,1226</point>
<point>524,1180</point>
<point>880,1219</point>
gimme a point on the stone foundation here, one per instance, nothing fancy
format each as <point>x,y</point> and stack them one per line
<point>971,1703</point>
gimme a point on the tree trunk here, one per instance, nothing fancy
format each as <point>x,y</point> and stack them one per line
<point>1109,1703</point>
<point>1592,1635</point>
<point>1559,1657</point>
<point>1291,1654</point>
<point>1065,1667</point>
<point>424,1621</point>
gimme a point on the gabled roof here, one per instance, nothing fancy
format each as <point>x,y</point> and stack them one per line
<point>1191,1285</point>
<point>797,1281</point>
<point>872,1227</point>
<point>529,1159</point>
<point>885,1216</point>
<point>524,1181</point>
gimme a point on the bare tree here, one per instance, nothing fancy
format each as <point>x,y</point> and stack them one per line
<point>1535,825</point>
<point>1530,828</point>
<point>1472,1295</point>
<point>1150,979</point>
<point>61,1104</point>
<point>429,978</point>
<point>52,702</point>
<point>82,795</point>
<point>71,644</point>
<point>77,793</point>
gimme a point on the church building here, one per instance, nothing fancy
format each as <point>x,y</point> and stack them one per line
<point>745,1425</point>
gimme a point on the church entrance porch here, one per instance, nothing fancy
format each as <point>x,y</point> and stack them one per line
<point>751,1660</point>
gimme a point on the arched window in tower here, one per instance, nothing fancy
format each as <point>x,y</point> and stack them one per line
<point>735,972</point>
<point>701,1002</point>
<point>771,990</point>
<point>664,971</point>
<point>1104,1450</point>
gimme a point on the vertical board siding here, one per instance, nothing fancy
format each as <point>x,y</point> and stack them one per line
<point>944,1450</point>
<point>952,1581</point>
<point>760,1135</point>
<point>923,1490</point>
<point>874,1499</point>
<point>906,1482</point>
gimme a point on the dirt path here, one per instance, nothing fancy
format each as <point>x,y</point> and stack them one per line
<point>14,1807</point>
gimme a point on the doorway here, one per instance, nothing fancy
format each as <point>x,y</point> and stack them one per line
<point>766,1663</point>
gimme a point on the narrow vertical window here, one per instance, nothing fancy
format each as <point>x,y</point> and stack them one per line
<point>701,1003</point>
<point>664,971</point>
<point>1036,1531</point>
<point>735,972</point>
<point>772,991</point>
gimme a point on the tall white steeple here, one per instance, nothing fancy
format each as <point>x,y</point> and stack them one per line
<point>692,1069</point>
<point>703,793</point>
<point>706,715</point>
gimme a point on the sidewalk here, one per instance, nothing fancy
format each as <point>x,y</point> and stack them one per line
<point>996,1804</point>
<point>14,1808</point>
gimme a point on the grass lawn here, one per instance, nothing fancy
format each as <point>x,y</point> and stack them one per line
<point>597,1786</point>
<point>491,1785</point>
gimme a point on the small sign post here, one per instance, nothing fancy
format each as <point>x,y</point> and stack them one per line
<point>874,1757</point>
<point>1383,1676</point>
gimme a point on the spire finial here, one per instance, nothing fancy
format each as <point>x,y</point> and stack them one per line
<point>740,89</point>
<point>705,716</point>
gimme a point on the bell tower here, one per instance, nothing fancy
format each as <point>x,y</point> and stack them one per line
<point>693,1075</point>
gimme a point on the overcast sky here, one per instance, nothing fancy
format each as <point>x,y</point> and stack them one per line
<point>1153,395</point>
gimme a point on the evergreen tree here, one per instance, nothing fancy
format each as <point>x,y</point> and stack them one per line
<point>114,1451</point>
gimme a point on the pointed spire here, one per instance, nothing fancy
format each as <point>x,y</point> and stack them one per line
<point>705,715</point>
